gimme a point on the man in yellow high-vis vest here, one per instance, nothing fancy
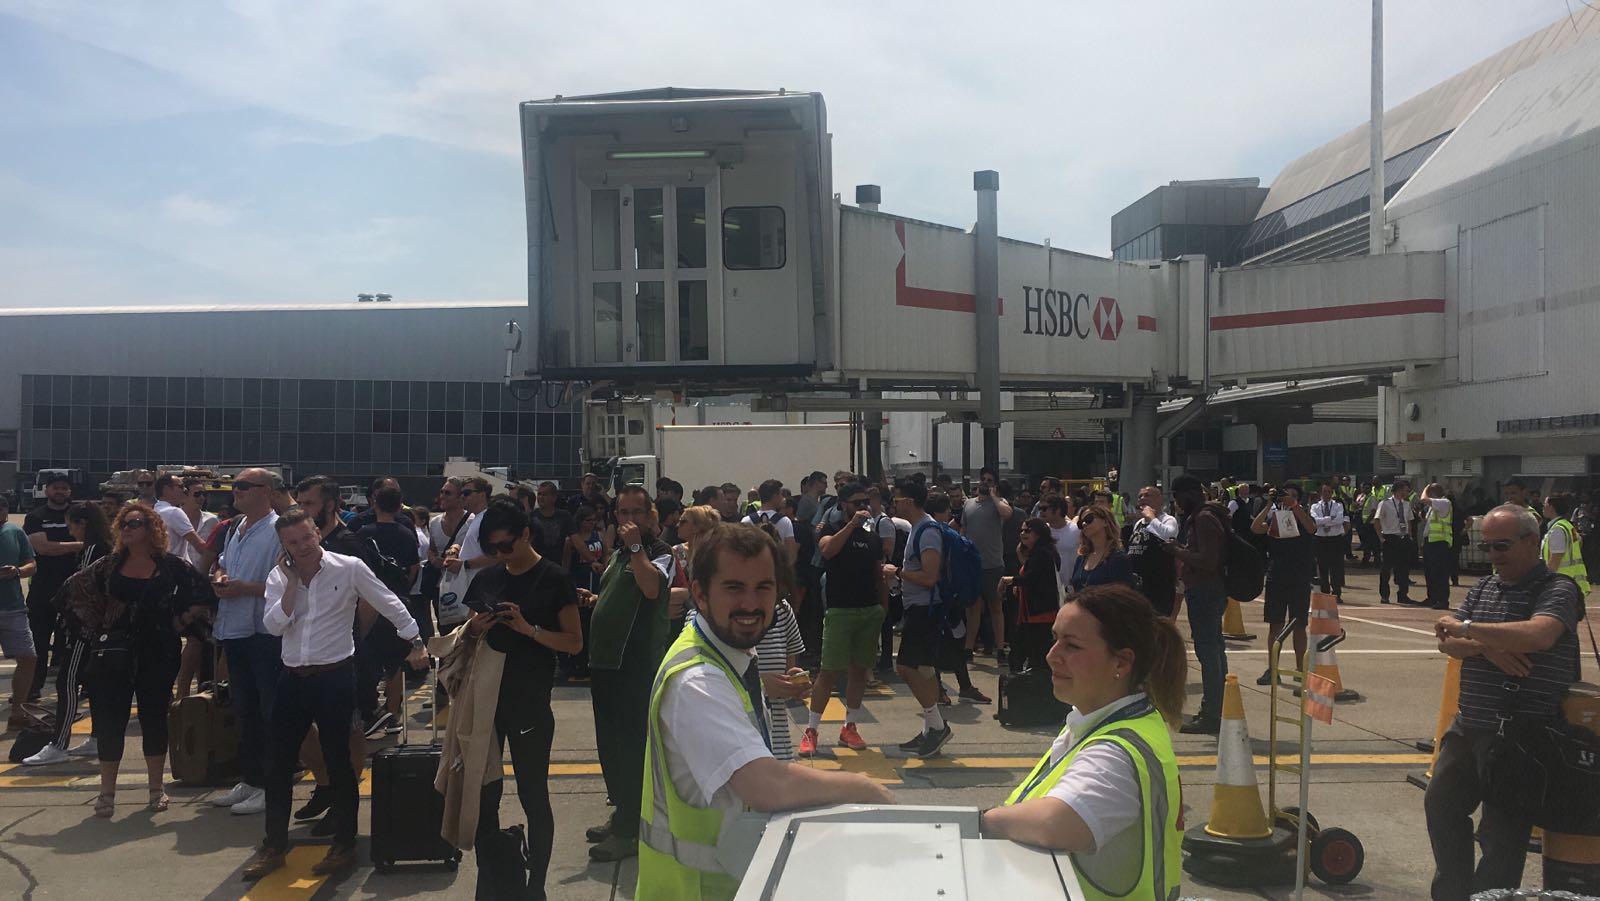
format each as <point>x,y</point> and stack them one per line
<point>1438,551</point>
<point>1562,549</point>
<point>707,759</point>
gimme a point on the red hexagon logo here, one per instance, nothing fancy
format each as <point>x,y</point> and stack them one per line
<point>1108,319</point>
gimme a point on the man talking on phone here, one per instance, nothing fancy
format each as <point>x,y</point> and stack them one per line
<point>311,604</point>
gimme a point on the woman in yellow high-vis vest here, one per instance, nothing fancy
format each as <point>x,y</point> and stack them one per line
<point>1107,791</point>
<point>1562,550</point>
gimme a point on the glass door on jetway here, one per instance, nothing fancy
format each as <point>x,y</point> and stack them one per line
<point>650,268</point>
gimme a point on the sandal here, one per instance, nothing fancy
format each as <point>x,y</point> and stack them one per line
<point>158,800</point>
<point>105,805</point>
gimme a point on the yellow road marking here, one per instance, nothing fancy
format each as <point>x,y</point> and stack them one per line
<point>292,880</point>
<point>834,713</point>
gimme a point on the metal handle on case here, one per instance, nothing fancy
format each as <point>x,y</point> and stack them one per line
<point>405,720</point>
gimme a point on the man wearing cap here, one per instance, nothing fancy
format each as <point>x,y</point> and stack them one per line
<point>57,556</point>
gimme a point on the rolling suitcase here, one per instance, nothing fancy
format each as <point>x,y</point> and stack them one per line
<point>1028,699</point>
<point>407,811</point>
<point>204,738</point>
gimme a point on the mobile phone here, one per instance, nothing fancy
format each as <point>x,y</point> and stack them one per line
<point>479,603</point>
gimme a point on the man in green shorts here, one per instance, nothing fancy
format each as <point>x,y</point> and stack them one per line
<point>852,560</point>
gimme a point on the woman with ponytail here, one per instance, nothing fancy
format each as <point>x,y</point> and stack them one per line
<point>1107,791</point>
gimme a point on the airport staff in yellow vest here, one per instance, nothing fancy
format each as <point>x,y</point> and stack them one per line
<point>1562,549</point>
<point>1438,551</point>
<point>707,760</point>
<point>1107,791</point>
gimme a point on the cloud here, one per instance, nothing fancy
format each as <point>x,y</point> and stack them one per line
<point>190,210</point>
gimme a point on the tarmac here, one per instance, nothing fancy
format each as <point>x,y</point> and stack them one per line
<point>51,846</point>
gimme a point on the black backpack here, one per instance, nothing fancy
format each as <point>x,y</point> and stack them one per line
<point>390,572</point>
<point>1244,569</point>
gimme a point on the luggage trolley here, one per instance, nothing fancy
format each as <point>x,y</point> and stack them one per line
<point>1335,855</point>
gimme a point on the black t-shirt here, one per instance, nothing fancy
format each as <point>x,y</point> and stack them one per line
<point>549,532</point>
<point>541,592</point>
<point>52,571</point>
<point>853,573</point>
<point>1291,558</point>
<point>1157,569</point>
<point>369,516</point>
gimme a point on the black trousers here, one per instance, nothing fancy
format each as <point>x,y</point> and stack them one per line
<point>42,619</point>
<point>1330,563</point>
<point>621,729</point>
<point>327,699</point>
<point>1453,794</point>
<point>1029,648</point>
<point>1398,554</point>
<point>1371,544</point>
<point>111,694</point>
<point>1437,560</point>
<point>68,679</point>
<point>530,761</point>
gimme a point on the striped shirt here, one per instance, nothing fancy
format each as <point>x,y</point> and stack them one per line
<point>1540,593</point>
<point>772,656</point>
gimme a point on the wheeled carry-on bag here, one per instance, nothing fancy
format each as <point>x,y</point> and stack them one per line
<point>204,730</point>
<point>1028,699</point>
<point>407,811</point>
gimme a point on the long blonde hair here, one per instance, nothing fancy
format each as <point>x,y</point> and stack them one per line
<point>1099,511</point>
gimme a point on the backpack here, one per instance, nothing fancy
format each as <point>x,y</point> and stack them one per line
<point>390,572</point>
<point>960,572</point>
<point>1244,569</point>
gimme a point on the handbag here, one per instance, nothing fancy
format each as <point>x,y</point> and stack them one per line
<point>1544,770</point>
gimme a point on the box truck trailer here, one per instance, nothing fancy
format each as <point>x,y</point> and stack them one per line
<point>745,455</point>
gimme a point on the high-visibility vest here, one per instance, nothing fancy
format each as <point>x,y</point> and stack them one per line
<point>677,840</point>
<point>1148,744</point>
<point>1440,528</point>
<point>1572,561</point>
<point>1374,498</point>
<point>1119,509</point>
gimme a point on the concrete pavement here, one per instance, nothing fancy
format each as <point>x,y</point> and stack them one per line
<point>52,846</point>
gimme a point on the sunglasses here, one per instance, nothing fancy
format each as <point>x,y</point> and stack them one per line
<point>500,547</point>
<point>130,524</point>
<point>1501,546</point>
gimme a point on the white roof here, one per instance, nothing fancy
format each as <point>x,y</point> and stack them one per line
<point>1429,114</point>
<point>1554,102</point>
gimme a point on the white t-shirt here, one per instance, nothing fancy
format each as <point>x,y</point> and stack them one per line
<point>1067,539</point>
<point>208,525</point>
<point>706,734</point>
<point>1101,785</point>
<point>779,521</point>
<point>1556,541</point>
<point>178,524</point>
<point>424,541</point>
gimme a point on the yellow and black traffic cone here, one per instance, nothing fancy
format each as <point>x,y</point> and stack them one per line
<point>1449,702</point>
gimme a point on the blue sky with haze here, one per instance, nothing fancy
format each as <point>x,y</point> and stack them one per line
<point>240,152</point>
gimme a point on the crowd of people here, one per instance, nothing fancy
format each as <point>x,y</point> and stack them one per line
<point>317,618</point>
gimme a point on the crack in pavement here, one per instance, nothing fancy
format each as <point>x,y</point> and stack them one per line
<point>33,883</point>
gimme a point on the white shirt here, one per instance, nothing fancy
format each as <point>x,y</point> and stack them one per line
<point>208,525</point>
<point>779,521</point>
<point>424,541</point>
<point>319,630</point>
<point>1392,515</point>
<point>178,524</point>
<point>1329,517</point>
<point>1438,508</point>
<point>705,732</point>
<point>1163,525</point>
<point>1101,784</point>
<point>1067,539</point>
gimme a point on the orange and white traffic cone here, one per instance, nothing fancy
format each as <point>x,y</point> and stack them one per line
<point>1236,810</point>
<point>1449,702</point>
<point>1233,622</point>
<point>1325,621</point>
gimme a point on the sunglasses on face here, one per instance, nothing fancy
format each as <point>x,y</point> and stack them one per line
<point>132,524</point>
<point>857,502</point>
<point>1499,547</point>
<point>500,547</point>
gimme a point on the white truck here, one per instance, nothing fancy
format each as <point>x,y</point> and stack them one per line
<point>746,455</point>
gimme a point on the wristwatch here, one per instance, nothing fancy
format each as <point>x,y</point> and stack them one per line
<point>1466,627</point>
<point>417,643</point>
<point>635,548</point>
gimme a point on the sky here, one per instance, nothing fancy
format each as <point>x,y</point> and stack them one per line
<point>255,151</point>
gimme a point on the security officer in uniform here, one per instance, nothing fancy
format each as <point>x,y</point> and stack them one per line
<point>707,759</point>
<point>1107,792</point>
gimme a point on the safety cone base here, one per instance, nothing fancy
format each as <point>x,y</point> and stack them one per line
<point>1240,861</point>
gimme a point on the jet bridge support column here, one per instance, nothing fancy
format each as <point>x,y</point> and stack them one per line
<point>1138,465</point>
<point>986,272</point>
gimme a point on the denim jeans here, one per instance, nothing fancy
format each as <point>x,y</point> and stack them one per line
<point>253,667</point>
<point>1206,606</point>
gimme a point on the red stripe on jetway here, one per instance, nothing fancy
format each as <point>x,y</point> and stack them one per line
<point>1147,323</point>
<point>1328,314</point>
<point>930,298</point>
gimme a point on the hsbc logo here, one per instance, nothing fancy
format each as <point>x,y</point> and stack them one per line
<point>1063,314</point>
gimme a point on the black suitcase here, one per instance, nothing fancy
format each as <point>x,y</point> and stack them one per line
<point>406,809</point>
<point>1028,699</point>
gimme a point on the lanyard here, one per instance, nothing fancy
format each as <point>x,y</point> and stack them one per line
<point>1131,712</point>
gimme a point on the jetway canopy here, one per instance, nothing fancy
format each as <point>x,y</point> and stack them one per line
<point>691,239</point>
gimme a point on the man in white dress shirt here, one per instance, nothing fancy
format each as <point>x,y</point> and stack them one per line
<point>1328,513</point>
<point>311,604</point>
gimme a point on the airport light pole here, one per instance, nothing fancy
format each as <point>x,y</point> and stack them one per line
<point>1376,217</point>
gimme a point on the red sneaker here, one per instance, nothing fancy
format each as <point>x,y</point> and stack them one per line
<point>808,743</point>
<point>850,738</point>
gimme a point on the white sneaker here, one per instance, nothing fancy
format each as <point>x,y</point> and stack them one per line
<point>256,803</point>
<point>239,793</point>
<point>86,748</point>
<point>50,753</point>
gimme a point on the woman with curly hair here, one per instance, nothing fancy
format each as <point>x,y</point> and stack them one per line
<point>129,608</point>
